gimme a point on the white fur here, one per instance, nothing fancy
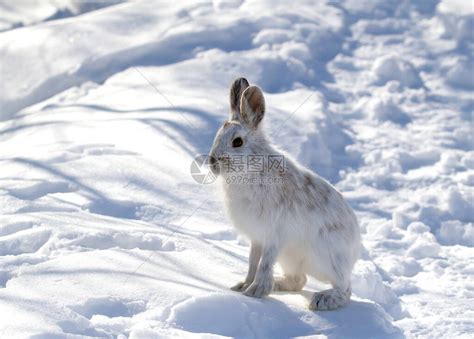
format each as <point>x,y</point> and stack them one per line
<point>302,222</point>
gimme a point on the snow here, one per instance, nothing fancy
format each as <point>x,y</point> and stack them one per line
<point>273,318</point>
<point>103,231</point>
<point>392,68</point>
<point>453,232</point>
<point>25,12</point>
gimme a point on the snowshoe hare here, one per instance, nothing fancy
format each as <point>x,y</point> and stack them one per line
<point>291,215</point>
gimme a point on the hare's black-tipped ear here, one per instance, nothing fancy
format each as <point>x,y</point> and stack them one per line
<point>238,87</point>
<point>252,106</point>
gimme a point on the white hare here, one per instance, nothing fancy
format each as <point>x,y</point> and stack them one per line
<point>291,215</point>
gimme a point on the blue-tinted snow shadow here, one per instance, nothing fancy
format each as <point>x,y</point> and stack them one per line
<point>172,49</point>
<point>100,203</point>
<point>235,315</point>
<point>190,138</point>
<point>275,74</point>
<point>359,320</point>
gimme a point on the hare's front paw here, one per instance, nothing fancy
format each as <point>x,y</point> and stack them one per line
<point>239,287</point>
<point>259,289</point>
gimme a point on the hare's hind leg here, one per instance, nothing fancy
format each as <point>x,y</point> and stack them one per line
<point>333,263</point>
<point>294,278</point>
<point>330,299</point>
<point>290,282</point>
<point>337,296</point>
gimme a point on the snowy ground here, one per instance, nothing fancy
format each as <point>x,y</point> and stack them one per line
<point>103,232</point>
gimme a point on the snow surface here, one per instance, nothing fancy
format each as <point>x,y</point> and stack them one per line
<point>103,231</point>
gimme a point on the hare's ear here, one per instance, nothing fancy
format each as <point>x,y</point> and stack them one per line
<point>236,90</point>
<point>252,106</point>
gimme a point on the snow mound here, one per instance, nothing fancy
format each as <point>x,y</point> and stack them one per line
<point>211,314</point>
<point>386,110</point>
<point>424,246</point>
<point>457,17</point>
<point>25,13</point>
<point>454,232</point>
<point>460,74</point>
<point>392,68</point>
<point>241,317</point>
<point>367,283</point>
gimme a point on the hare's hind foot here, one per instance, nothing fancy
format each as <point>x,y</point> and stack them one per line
<point>330,299</point>
<point>292,283</point>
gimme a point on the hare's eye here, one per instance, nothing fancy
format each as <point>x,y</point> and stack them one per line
<point>237,142</point>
